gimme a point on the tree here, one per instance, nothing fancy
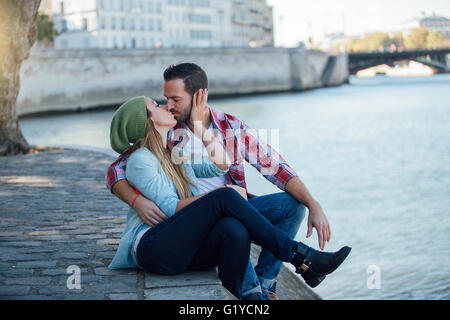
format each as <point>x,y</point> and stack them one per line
<point>417,39</point>
<point>45,29</point>
<point>378,41</point>
<point>398,40</point>
<point>17,36</point>
<point>435,40</point>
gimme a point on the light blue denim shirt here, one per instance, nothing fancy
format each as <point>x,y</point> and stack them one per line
<point>145,173</point>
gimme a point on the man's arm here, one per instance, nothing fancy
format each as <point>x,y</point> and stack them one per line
<point>316,217</point>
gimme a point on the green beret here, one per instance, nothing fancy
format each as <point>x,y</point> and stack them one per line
<point>128,124</point>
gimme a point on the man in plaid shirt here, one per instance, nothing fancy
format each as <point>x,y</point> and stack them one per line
<point>284,210</point>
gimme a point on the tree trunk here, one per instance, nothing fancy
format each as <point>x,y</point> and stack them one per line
<point>17,36</point>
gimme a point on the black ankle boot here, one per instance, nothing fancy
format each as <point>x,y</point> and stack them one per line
<point>314,265</point>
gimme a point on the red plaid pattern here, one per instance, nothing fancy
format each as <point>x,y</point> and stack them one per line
<point>239,140</point>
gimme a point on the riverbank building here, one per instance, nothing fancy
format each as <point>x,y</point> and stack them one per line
<point>125,24</point>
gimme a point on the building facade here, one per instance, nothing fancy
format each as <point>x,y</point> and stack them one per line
<point>162,23</point>
<point>434,23</point>
<point>438,24</point>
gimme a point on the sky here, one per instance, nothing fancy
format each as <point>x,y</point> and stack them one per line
<point>297,20</point>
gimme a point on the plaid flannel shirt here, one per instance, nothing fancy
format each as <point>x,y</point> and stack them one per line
<point>241,143</point>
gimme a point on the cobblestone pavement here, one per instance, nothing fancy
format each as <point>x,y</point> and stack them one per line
<point>55,212</point>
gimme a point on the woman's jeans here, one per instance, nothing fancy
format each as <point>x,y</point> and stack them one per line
<point>198,237</point>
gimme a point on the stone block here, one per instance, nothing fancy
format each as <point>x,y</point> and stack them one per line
<point>14,290</point>
<point>36,264</point>
<point>30,281</point>
<point>204,292</point>
<point>190,278</point>
<point>123,296</point>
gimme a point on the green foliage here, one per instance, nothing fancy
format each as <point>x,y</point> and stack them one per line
<point>45,27</point>
<point>435,40</point>
<point>417,38</point>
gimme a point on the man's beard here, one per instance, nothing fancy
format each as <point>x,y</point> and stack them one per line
<point>187,114</point>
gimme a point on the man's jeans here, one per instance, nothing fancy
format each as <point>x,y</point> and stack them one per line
<point>285,213</point>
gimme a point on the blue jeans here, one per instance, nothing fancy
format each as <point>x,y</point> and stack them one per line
<point>286,214</point>
<point>196,239</point>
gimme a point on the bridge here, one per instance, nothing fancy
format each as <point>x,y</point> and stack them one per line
<point>436,59</point>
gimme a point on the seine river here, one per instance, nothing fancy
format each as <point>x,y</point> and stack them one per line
<point>374,153</point>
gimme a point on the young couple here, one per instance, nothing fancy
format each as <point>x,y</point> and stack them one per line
<point>192,212</point>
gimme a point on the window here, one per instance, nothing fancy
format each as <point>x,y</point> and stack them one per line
<point>61,7</point>
<point>64,25</point>
<point>201,34</point>
<point>176,2</point>
<point>84,23</point>
<point>200,18</point>
<point>200,3</point>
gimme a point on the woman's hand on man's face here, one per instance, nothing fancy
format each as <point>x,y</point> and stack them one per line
<point>199,106</point>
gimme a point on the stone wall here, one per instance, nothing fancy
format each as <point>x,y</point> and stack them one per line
<point>59,80</point>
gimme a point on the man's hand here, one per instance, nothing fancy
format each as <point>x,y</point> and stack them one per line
<point>148,211</point>
<point>318,220</point>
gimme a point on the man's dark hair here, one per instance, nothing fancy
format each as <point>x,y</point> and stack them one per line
<point>193,76</point>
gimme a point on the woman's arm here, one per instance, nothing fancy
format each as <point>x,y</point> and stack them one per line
<point>183,203</point>
<point>146,209</point>
<point>216,151</point>
<point>145,173</point>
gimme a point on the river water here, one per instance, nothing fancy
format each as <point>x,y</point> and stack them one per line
<point>374,153</point>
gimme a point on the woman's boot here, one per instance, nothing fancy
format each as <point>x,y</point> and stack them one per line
<point>314,265</point>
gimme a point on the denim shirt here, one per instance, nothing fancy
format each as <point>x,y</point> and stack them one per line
<point>144,172</point>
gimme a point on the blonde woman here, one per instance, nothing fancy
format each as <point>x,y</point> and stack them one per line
<point>202,230</point>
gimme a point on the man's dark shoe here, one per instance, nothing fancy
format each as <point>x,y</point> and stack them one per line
<point>314,265</point>
<point>270,293</point>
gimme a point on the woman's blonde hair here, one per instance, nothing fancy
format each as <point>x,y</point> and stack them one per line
<point>153,142</point>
